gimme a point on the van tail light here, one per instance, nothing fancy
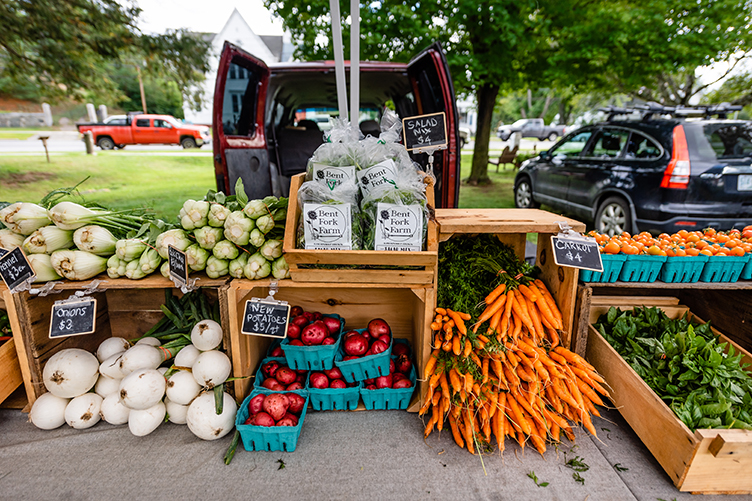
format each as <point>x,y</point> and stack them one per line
<point>677,173</point>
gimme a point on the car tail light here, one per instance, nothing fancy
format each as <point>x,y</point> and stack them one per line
<point>677,172</point>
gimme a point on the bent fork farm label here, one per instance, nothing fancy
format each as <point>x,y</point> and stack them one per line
<point>399,227</point>
<point>331,176</point>
<point>327,227</point>
<point>382,173</point>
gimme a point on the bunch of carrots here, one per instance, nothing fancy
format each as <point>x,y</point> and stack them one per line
<point>512,380</point>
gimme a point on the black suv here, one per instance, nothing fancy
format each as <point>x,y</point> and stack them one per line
<point>670,169</point>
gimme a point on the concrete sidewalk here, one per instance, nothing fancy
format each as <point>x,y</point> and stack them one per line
<point>340,455</point>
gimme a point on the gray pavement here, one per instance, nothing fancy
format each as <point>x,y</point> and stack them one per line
<point>340,455</point>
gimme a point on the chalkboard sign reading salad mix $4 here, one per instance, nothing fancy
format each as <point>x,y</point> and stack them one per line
<point>266,318</point>
<point>425,131</point>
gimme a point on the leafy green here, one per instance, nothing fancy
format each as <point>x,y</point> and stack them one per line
<point>700,378</point>
<point>535,479</point>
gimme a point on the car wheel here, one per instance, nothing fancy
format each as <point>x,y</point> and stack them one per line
<point>613,217</point>
<point>105,143</point>
<point>553,136</point>
<point>188,142</point>
<point>523,195</point>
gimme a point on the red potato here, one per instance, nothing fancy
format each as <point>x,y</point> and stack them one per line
<point>385,338</point>
<point>293,331</point>
<point>272,384</point>
<point>276,405</point>
<point>369,381</point>
<point>301,321</point>
<point>400,349</point>
<point>314,333</point>
<point>378,326</point>
<point>317,316</point>
<point>296,311</point>
<point>296,403</point>
<point>329,340</point>
<point>402,383</point>
<point>403,364</point>
<point>349,357</point>
<point>294,386</point>
<point>269,369</point>
<point>255,404</point>
<point>371,387</point>
<point>300,378</point>
<point>384,381</point>
<point>309,316</point>
<point>333,324</point>
<point>296,342</point>
<point>263,419</point>
<point>356,345</point>
<point>286,421</point>
<point>293,417</point>
<point>277,352</point>
<point>350,333</point>
<point>285,375</point>
<point>378,346</point>
<point>338,384</point>
<point>333,373</point>
<point>319,380</point>
<point>397,376</point>
<point>392,366</point>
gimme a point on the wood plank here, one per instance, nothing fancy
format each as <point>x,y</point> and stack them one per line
<point>561,282</point>
<point>668,439</point>
<point>21,345</point>
<point>581,320</point>
<point>723,474</point>
<point>453,221</point>
<point>10,372</point>
<point>631,301</point>
<point>366,276</point>
<point>740,285</point>
<point>153,281</point>
<point>731,443</point>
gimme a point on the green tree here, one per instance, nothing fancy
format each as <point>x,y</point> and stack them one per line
<point>64,47</point>
<point>162,96</point>
<point>583,46</point>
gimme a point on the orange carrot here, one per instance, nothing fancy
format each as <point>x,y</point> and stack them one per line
<point>456,346</point>
<point>441,311</point>
<point>469,381</point>
<point>528,293</point>
<point>493,325</point>
<point>474,358</point>
<point>456,431</point>
<point>457,321</point>
<point>588,392</point>
<point>468,348</point>
<point>491,297</point>
<point>444,383</point>
<point>425,407</point>
<point>431,364</point>
<point>573,357</point>
<point>517,416</point>
<point>489,311</point>
<point>454,378</point>
<point>484,369</point>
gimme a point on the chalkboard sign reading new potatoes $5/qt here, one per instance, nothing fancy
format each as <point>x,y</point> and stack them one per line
<point>266,318</point>
<point>425,132</point>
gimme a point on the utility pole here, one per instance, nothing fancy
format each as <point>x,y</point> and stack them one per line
<point>141,87</point>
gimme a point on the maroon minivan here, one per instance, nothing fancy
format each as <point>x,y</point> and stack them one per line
<point>268,120</point>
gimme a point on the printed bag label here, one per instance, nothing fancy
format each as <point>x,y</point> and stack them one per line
<point>399,227</point>
<point>332,177</point>
<point>376,175</point>
<point>327,227</point>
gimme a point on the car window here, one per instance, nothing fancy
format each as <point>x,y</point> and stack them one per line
<point>641,146</point>
<point>573,146</point>
<point>239,105</point>
<point>732,140</point>
<point>142,122</point>
<point>608,143</point>
<point>117,121</point>
<point>162,123</point>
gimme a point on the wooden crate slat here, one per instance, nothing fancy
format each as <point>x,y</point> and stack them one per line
<point>453,221</point>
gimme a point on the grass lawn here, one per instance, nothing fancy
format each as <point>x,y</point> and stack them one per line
<point>15,135</point>
<point>161,183</point>
<point>498,195</point>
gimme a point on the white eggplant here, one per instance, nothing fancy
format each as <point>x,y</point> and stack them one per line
<point>113,411</point>
<point>48,411</point>
<point>202,418</point>
<point>206,335</point>
<point>83,411</point>
<point>70,373</point>
<point>142,389</point>
<point>211,368</point>
<point>143,422</point>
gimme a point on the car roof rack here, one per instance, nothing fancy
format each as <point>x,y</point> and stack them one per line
<point>649,109</point>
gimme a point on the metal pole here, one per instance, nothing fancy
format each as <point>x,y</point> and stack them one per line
<point>339,59</point>
<point>355,61</point>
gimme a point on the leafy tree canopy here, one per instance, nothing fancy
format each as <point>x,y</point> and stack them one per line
<point>64,47</point>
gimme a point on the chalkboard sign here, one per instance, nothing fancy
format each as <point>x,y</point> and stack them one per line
<point>73,318</point>
<point>15,268</point>
<point>266,318</point>
<point>577,253</point>
<point>425,131</point>
<point>178,264</point>
<point>3,252</point>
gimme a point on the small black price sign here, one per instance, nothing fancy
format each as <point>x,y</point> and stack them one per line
<point>266,317</point>
<point>3,252</point>
<point>178,264</point>
<point>425,131</point>
<point>577,252</point>
<point>15,268</point>
<point>73,318</point>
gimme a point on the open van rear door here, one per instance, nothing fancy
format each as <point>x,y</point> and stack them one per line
<point>240,145</point>
<point>434,92</point>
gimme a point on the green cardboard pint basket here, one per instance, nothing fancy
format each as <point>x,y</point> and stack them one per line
<point>269,438</point>
<point>389,398</point>
<point>682,269</point>
<point>612,264</point>
<point>363,368</point>
<point>335,399</point>
<point>641,268</point>
<point>313,358</point>
<point>724,268</point>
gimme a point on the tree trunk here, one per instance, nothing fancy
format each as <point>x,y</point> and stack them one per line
<point>486,97</point>
<point>545,106</point>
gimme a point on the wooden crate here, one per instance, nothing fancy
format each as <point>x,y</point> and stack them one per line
<point>125,308</point>
<point>422,264</point>
<point>716,461</point>
<point>406,308</point>
<point>10,370</point>
<point>511,226</point>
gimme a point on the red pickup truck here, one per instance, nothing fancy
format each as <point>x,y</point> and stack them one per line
<point>147,129</point>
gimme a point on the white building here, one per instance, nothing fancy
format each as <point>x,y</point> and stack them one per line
<point>269,49</point>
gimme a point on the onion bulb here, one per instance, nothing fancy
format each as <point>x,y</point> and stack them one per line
<point>206,335</point>
<point>113,411</point>
<point>143,422</point>
<point>202,418</point>
<point>70,373</point>
<point>142,389</point>
<point>142,356</point>
<point>83,412</point>
<point>111,346</point>
<point>48,411</point>
<point>150,341</point>
<point>106,386</point>
<point>111,367</point>
<point>175,412</point>
<point>211,368</point>
<point>186,356</point>
<point>182,388</point>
